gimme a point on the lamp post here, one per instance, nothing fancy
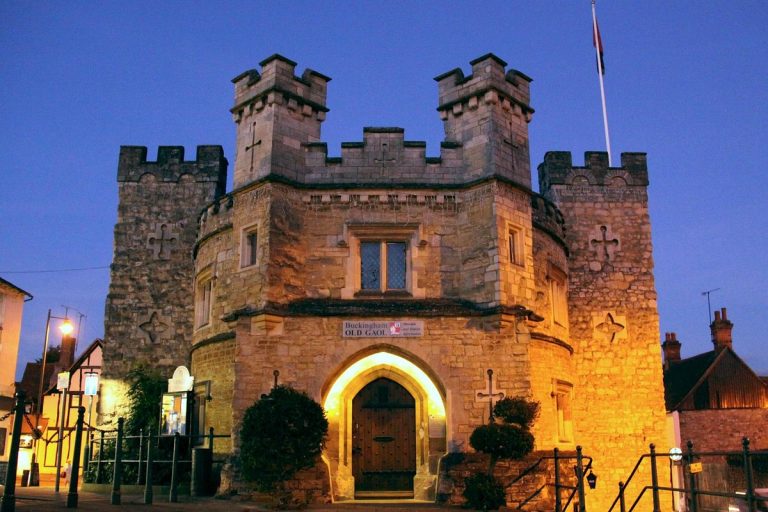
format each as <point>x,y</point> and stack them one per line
<point>66,328</point>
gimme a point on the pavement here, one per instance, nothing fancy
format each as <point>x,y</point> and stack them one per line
<point>44,499</point>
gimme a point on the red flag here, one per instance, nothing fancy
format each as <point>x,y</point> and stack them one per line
<point>597,42</point>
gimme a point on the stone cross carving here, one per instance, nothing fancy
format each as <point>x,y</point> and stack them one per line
<point>161,241</point>
<point>608,245</point>
<point>384,154</point>
<point>489,394</point>
<point>153,327</point>
<point>609,327</point>
<point>253,144</point>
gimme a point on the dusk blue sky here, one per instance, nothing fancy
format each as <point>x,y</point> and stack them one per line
<point>686,82</point>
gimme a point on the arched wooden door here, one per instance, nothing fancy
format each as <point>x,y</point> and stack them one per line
<point>384,440</point>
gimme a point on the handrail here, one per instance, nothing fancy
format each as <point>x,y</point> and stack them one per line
<point>626,482</point>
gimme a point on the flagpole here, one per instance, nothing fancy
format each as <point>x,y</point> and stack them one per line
<point>598,45</point>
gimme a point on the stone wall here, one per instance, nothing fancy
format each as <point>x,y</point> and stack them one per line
<point>149,308</point>
<point>614,327</point>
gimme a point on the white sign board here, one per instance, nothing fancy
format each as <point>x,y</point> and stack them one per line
<point>390,329</point>
<point>181,380</point>
<point>63,380</point>
<point>91,384</point>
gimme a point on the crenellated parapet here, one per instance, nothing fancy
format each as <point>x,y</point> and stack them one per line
<point>208,166</point>
<point>489,82</point>
<point>277,82</point>
<point>558,169</point>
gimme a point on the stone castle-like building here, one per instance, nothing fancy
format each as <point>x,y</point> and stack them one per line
<point>386,283</point>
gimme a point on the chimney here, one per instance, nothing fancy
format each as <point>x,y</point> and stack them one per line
<point>671,348</point>
<point>67,355</point>
<point>721,330</point>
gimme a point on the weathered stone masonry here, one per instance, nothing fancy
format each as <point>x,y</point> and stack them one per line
<point>489,264</point>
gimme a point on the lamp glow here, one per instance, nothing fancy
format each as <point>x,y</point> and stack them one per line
<point>66,327</point>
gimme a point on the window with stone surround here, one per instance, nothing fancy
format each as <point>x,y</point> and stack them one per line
<point>562,393</point>
<point>515,245</point>
<point>558,294</point>
<point>249,247</point>
<point>203,295</point>
<point>381,259</point>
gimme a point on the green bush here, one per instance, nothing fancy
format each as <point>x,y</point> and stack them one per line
<point>502,441</point>
<point>281,434</point>
<point>517,410</point>
<point>484,492</point>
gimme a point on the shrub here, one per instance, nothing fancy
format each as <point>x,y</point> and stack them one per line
<point>484,492</point>
<point>281,434</point>
<point>517,410</point>
<point>502,441</point>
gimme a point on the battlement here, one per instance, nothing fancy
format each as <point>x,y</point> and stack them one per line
<point>277,82</point>
<point>489,82</point>
<point>558,169</point>
<point>209,165</point>
<point>547,216</point>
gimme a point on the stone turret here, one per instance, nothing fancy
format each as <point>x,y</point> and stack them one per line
<point>277,114</point>
<point>721,330</point>
<point>488,113</point>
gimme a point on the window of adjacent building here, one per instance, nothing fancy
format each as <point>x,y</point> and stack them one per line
<point>203,293</point>
<point>558,295</point>
<point>248,247</point>
<point>516,246</point>
<point>563,393</point>
<point>383,265</point>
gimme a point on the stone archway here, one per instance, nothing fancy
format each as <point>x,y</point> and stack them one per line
<point>429,428</point>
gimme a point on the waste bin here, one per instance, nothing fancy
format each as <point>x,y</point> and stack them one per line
<point>202,472</point>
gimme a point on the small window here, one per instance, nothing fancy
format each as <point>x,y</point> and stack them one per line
<point>516,247</point>
<point>563,394</point>
<point>203,293</point>
<point>558,295</point>
<point>383,265</point>
<point>248,248</point>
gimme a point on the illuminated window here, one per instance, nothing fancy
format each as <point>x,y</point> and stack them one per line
<point>558,295</point>
<point>203,292</point>
<point>248,247</point>
<point>516,246</point>
<point>383,265</point>
<point>563,393</point>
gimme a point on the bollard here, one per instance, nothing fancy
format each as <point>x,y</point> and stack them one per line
<point>173,496</point>
<point>580,477</point>
<point>75,468</point>
<point>558,502</point>
<point>118,469</point>
<point>98,461</point>
<point>8,502</point>
<point>655,480</point>
<point>148,492</point>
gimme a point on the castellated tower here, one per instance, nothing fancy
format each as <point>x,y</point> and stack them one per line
<point>614,326</point>
<point>386,283</point>
<point>276,114</point>
<point>150,307</point>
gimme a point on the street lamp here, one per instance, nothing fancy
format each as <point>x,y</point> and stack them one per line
<point>66,328</point>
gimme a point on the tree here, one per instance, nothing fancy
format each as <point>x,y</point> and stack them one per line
<point>282,433</point>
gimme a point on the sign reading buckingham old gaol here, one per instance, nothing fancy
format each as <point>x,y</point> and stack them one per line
<point>394,329</point>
